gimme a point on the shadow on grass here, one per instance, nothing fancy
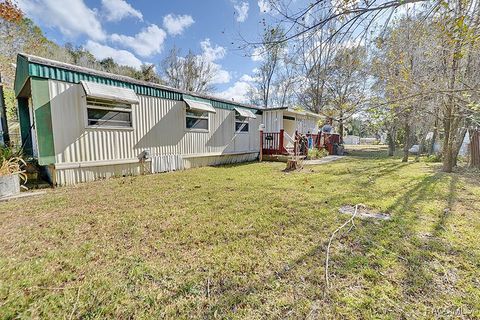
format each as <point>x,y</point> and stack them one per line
<point>368,152</point>
<point>235,164</point>
<point>397,237</point>
<point>392,235</point>
<point>439,227</point>
<point>416,251</point>
<point>385,170</point>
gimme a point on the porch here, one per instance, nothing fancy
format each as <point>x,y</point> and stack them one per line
<point>282,144</point>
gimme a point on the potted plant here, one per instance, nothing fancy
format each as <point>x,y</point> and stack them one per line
<point>10,172</point>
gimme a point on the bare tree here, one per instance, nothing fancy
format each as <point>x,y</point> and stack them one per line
<point>270,51</point>
<point>346,83</point>
<point>190,73</point>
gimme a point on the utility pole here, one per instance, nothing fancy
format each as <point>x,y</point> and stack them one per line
<point>4,136</point>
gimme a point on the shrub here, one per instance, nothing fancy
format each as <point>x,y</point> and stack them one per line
<point>316,153</point>
<point>11,163</point>
<point>433,158</point>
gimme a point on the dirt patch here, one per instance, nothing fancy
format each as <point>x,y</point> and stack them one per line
<point>323,160</point>
<point>364,213</point>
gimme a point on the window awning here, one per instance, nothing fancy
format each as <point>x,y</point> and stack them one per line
<point>106,92</point>
<point>199,106</point>
<point>245,113</point>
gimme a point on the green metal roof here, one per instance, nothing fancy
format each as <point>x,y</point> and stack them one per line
<point>32,66</point>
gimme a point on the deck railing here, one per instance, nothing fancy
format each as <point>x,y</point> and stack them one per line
<point>325,140</point>
<point>272,142</point>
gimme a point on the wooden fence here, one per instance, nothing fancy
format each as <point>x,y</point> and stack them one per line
<point>273,143</point>
<point>474,148</point>
<point>325,140</point>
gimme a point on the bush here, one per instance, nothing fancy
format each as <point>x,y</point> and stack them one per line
<point>7,153</point>
<point>316,153</point>
<point>433,158</point>
<point>11,162</point>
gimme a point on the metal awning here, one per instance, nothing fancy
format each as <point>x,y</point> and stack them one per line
<point>245,113</point>
<point>106,92</point>
<point>201,106</point>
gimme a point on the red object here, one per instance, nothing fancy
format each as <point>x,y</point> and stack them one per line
<point>329,140</point>
<point>325,140</point>
<point>261,145</point>
<point>281,144</point>
<point>272,143</point>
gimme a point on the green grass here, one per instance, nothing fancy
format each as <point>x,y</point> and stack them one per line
<point>247,242</point>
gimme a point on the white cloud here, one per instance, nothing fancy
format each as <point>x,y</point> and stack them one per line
<point>257,54</point>
<point>212,53</point>
<point>264,6</point>
<point>221,75</point>
<point>122,57</point>
<point>117,10</point>
<point>247,78</point>
<point>145,43</point>
<point>71,17</point>
<point>238,92</point>
<point>176,24</point>
<point>242,11</point>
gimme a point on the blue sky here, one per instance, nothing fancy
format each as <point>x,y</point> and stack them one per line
<point>143,31</point>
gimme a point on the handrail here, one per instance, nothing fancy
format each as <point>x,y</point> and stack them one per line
<point>289,137</point>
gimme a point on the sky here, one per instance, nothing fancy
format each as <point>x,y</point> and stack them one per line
<point>133,32</point>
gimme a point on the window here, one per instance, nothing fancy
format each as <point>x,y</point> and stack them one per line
<point>102,113</point>
<point>197,120</point>
<point>241,123</point>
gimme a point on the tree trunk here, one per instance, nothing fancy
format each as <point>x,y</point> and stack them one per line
<point>458,146</point>
<point>391,137</point>
<point>447,157</point>
<point>406,143</point>
<point>434,136</point>
<point>291,165</point>
<point>421,145</point>
<point>450,118</point>
<point>340,125</point>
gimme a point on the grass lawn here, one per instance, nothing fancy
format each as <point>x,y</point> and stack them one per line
<point>247,241</point>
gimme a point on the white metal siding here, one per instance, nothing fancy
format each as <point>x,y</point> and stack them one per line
<point>70,176</point>
<point>167,163</point>
<point>77,175</point>
<point>273,120</point>
<point>158,126</point>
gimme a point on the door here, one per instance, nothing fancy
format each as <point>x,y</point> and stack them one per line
<point>289,127</point>
<point>33,131</point>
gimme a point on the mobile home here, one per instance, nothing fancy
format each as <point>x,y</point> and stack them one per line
<point>82,124</point>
